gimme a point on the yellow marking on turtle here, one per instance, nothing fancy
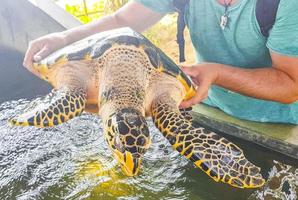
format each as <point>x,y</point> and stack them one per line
<point>216,178</point>
<point>115,44</point>
<point>176,144</point>
<point>51,123</point>
<point>25,124</point>
<point>160,68</point>
<point>190,91</point>
<point>34,121</point>
<point>127,163</point>
<point>189,155</point>
<point>59,119</point>
<point>198,163</point>
<point>42,69</point>
<point>87,57</point>
<point>17,123</point>
<point>62,60</point>
<point>185,149</point>
<point>143,47</point>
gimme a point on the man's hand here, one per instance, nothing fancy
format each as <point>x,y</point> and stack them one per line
<point>42,47</point>
<point>132,14</point>
<point>203,75</point>
<point>277,83</point>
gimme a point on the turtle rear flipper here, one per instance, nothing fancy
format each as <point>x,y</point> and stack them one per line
<point>55,108</point>
<point>216,156</point>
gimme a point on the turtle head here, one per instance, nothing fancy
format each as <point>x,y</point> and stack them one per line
<point>129,139</point>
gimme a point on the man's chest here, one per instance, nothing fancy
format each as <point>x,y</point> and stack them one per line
<point>238,43</point>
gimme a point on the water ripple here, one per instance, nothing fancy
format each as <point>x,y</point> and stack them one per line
<point>73,161</point>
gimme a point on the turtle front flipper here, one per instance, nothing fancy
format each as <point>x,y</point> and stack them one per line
<point>55,108</point>
<point>215,155</point>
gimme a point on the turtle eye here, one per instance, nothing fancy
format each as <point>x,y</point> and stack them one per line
<point>118,144</point>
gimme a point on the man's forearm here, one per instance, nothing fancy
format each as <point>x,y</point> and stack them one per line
<point>133,15</point>
<point>264,83</point>
<point>80,32</point>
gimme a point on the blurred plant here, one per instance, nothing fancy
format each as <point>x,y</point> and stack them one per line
<point>113,5</point>
<point>89,12</point>
<point>163,32</point>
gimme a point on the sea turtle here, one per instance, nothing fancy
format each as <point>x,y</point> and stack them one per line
<point>123,77</point>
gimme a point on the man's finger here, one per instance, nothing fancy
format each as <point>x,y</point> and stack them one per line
<point>28,60</point>
<point>189,71</point>
<point>201,94</point>
<point>41,54</point>
<point>193,101</point>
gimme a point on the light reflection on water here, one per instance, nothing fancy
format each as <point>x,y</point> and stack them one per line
<point>282,183</point>
<point>73,161</point>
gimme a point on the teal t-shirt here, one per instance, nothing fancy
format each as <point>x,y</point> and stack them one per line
<point>240,44</point>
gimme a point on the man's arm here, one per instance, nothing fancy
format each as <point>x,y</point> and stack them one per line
<point>133,15</point>
<point>278,83</point>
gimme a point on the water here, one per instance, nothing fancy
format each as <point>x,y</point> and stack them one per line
<point>15,81</point>
<point>73,161</point>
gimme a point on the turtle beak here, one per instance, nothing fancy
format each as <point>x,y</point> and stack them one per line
<point>130,165</point>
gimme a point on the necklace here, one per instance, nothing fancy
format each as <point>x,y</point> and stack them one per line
<point>225,18</point>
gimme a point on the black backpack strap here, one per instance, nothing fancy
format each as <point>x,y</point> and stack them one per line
<point>266,13</point>
<point>180,6</point>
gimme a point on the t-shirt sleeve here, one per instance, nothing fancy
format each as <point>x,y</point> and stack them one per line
<point>161,6</point>
<point>283,37</point>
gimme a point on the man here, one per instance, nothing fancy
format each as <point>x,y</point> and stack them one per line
<point>239,70</point>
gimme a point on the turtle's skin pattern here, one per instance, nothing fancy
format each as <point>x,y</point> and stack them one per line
<point>58,107</point>
<point>124,78</point>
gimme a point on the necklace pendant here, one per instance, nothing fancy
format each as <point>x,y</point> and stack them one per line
<point>223,21</point>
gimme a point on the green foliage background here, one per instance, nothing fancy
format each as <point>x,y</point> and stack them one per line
<point>158,34</point>
<point>97,9</point>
